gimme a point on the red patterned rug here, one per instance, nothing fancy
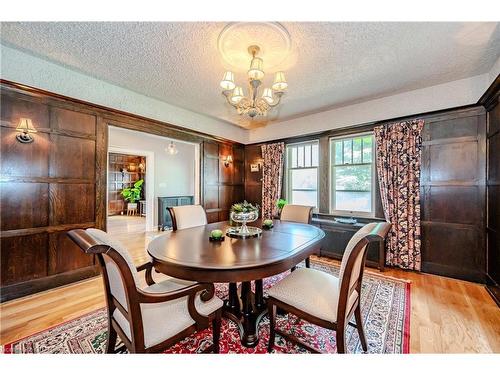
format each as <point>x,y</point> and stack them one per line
<point>385,305</point>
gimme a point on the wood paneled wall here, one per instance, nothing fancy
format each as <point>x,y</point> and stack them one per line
<point>58,183</point>
<point>493,194</point>
<point>47,188</point>
<point>452,192</point>
<point>222,186</point>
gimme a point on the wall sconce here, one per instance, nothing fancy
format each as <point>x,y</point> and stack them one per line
<point>228,160</point>
<point>25,127</point>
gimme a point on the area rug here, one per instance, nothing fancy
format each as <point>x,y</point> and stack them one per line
<point>385,306</point>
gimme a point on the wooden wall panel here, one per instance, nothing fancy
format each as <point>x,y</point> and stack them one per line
<point>253,180</point>
<point>453,195</point>
<point>66,256</point>
<point>24,258</point>
<point>72,203</point>
<point>73,122</point>
<point>18,208</point>
<point>72,157</point>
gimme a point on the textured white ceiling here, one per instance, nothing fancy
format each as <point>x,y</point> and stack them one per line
<point>331,64</point>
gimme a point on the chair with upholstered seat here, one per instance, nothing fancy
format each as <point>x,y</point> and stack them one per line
<point>187,216</point>
<point>323,299</point>
<point>152,318</point>
<point>298,214</point>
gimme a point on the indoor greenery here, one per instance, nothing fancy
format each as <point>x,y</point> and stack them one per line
<point>244,207</point>
<point>133,194</point>
<point>280,203</point>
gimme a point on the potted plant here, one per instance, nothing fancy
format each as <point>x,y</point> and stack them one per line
<point>244,213</point>
<point>133,194</point>
<point>280,203</point>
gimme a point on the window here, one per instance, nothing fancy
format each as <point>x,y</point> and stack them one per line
<point>302,173</point>
<point>352,173</point>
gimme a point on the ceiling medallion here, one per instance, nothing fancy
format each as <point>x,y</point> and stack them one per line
<point>256,103</point>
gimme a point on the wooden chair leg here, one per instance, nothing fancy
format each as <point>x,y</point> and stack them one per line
<point>111,342</point>
<point>216,330</point>
<point>271,310</point>
<point>308,262</point>
<point>359,326</point>
<point>293,269</point>
<point>340,338</point>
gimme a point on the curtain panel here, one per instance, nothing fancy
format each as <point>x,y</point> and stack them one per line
<point>271,177</point>
<point>398,158</point>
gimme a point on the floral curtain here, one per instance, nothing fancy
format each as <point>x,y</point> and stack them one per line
<point>271,177</point>
<point>399,150</point>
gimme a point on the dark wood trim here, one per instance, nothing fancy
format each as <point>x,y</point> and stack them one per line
<point>46,180</point>
<point>490,97</point>
<point>118,117</point>
<point>26,288</point>
<point>48,229</point>
<point>494,291</point>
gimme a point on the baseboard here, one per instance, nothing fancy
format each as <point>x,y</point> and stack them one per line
<point>494,291</point>
<point>454,272</point>
<point>26,288</point>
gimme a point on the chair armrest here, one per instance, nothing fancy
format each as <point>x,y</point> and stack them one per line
<point>208,291</point>
<point>148,266</point>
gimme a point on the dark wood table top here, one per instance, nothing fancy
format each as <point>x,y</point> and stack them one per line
<point>188,254</point>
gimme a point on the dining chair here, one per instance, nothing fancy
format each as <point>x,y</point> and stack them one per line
<point>187,216</point>
<point>323,299</point>
<point>152,318</point>
<point>298,214</point>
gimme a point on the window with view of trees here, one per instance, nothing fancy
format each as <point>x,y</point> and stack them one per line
<point>302,173</point>
<point>352,165</point>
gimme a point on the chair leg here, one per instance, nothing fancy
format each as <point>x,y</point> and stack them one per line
<point>340,338</point>
<point>216,330</point>
<point>111,342</point>
<point>359,326</point>
<point>308,262</point>
<point>293,269</point>
<point>271,310</point>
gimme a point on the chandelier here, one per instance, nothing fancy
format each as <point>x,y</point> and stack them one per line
<point>253,104</point>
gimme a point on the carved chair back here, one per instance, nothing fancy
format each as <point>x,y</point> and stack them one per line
<point>353,263</point>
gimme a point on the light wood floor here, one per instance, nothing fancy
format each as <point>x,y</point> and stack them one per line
<point>447,315</point>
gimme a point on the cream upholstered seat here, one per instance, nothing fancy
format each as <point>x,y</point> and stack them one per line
<point>187,216</point>
<point>297,213</point>
<point>324,299</point>
<point>153,317</point>
<point>312,291</point>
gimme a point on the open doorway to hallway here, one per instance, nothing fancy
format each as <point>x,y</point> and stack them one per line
<point>163,168</point>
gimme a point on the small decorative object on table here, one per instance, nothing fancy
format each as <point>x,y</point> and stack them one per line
<point>267,224</point>
<point>216,235</point>
<point>244,213</point>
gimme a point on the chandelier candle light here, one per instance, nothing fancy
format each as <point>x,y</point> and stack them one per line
<point>253,105</point>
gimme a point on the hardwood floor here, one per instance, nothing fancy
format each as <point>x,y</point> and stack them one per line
<point>447,315</point>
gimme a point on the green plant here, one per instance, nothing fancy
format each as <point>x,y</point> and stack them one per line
<point>280,203</point>
<point>244,207</point>
<point>133,194</point>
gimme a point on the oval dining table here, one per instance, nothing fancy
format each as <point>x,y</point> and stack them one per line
<point>188,254</point>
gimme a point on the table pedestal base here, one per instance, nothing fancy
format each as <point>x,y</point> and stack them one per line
<point>246,310</point>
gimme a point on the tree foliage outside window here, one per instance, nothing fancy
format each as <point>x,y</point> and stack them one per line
<point>352,174</point>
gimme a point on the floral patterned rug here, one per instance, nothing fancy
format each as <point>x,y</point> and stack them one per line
<point>385,305</point>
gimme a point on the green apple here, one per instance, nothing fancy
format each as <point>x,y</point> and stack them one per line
<point>216,233</point>
<point>268,222</point>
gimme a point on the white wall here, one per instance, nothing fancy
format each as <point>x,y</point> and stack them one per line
<point>173,174</point>
<point>452,94</point>
<point>29,70</point>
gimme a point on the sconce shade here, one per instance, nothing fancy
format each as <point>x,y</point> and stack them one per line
<point>228,160</point>
<point>237,95</point>
<point>280,84</point>
<point>26,126</point>
<point>256,71</point>
<point>268,95</point>
<point>227,82</point>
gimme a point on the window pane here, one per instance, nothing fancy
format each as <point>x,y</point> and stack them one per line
<point>353,201</point>
<point>304,179</point>
<point>294,157</point>
<point>348,151</point>
<point>307,154</point>
<point>315,155</point>
<point>300,157</point>
<point>367,149</point>
<point>338,153</point>
<point>356,151</point>
<point>307,198</point>
<point>353,177</point>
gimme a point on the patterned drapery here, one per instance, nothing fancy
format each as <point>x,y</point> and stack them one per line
<point>271,177</point>
<point>399,150</point>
